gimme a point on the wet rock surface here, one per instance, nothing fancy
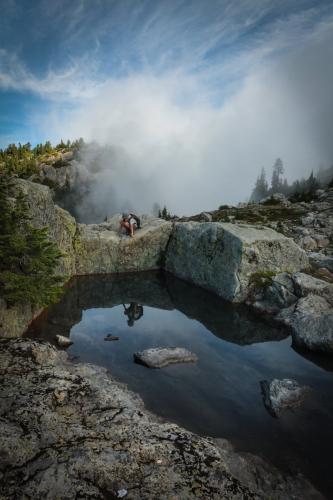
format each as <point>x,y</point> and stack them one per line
<point>71,431</point>
<point>279,395</point>
<point>158,357</point>
<point>300,301</point>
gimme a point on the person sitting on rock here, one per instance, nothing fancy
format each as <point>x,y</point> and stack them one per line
<point>130,222</point>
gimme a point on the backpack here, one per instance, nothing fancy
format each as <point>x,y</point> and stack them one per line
<point>138,222</point>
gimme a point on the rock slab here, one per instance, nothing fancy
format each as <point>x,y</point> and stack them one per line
<point>159,357</point>
<point>222,257</point>
<point>71,431</point>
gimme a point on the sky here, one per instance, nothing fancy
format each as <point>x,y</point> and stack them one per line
<point>193,97</point>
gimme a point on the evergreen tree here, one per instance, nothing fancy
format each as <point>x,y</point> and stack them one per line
<point>260,190</point>
<point>27,258</point>
<point>278,170</point>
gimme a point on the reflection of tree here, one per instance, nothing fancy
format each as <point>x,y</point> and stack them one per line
<point>134,312</point>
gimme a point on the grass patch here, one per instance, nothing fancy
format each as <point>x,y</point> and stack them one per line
<point>262,279</point>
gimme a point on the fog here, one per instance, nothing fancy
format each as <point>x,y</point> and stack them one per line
<point>167,139</point>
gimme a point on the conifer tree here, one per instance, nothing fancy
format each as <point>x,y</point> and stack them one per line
<point>278,170</point>
<point>27,258</point>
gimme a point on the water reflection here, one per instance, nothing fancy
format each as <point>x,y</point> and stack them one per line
<point>158,290</point>
<point>220,394</point>
<point>134,312</point>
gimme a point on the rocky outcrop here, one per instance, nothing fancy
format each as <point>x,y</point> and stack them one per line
<point>99,248</point>
<point>302,302</point>
<point>279,395</point>
<point>158,357</point>
<point>61,226</point>
<point>311,323</point>
<point>222,257</point>
<point>59,178</point>
<point>71,431</point>
<point>15,319</point>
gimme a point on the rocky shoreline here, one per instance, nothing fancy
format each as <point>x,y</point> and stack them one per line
<point>72,431</point>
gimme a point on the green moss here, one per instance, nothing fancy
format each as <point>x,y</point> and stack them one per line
<point>262,279</point>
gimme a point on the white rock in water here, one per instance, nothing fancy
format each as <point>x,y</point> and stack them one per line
<point>63,341</point>
<point>163,356</point>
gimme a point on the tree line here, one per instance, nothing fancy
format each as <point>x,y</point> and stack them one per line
<point>300,190</point>
<point>21,160</point>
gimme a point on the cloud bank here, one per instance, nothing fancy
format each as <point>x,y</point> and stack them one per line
<point>189,102</point>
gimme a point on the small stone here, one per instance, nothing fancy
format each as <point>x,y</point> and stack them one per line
<point>121,493</point>
<point>63,341</point>
<point>159,357</point>
<point>111,337</point>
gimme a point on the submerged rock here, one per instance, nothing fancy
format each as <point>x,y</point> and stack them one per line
<point>279,395</point>
<point>111,337</point>
<point>84,435</point>
<point>159,357</point>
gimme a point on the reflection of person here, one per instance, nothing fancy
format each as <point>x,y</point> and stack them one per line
<point>134,312</point>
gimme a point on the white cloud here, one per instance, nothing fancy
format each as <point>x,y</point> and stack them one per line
<point>171,142</point>
<point>73,82</point>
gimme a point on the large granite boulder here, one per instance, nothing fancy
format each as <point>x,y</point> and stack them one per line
<point>100,248</point>
<point>61,226</point>
<point>71,431</point>
<point>222,257</point>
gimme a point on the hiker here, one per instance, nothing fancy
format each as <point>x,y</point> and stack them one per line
<point>134,312</point>
<point>130,222</point>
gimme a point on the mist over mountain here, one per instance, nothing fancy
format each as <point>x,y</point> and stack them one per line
<point>187,102</point>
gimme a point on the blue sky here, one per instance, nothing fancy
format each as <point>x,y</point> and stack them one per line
<point>65,50</point>
<point>206,88</point>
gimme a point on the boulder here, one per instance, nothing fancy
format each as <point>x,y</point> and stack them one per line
<point>159,357</point>
<point>205,217</point>
<point>311,323</point>
<point>278,295</point>
<point>308,243</point>
<point>63,341</point>
<point>101,249</point>
<point>222,257</point>
<point>278,395</point>
<point>305,284</point>
<point>61,226</point>
<point>319,260</point>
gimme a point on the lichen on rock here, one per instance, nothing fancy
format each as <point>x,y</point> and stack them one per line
<point>71,431</point>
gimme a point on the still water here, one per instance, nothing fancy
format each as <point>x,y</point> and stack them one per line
<point>219,395</point>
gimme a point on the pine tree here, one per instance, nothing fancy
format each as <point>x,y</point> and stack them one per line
<point>260,190</point>
<point>278,170</point>
<point>27,258</point>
